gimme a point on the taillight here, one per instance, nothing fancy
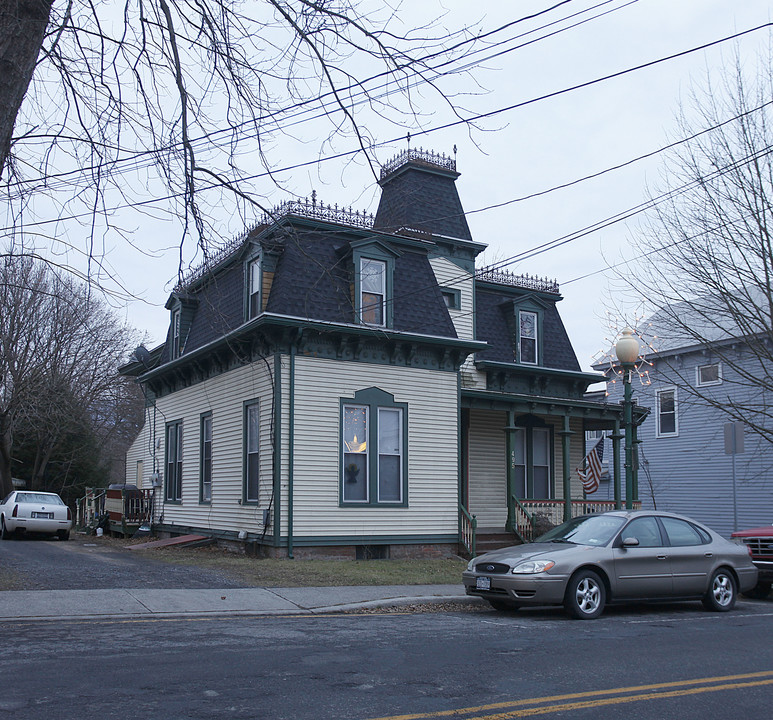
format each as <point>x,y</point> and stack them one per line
<point>749,548</point>
<point>69,514</point>
<point>15,512</point>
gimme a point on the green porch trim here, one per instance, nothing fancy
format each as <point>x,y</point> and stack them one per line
<point>332,540</point>
<point>566,434</point>
<point>291,457</point>
<point>277,492</point>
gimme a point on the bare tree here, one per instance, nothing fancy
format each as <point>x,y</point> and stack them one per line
<point>707,262</point>
<point>192,95</point>
<point>59,351</point>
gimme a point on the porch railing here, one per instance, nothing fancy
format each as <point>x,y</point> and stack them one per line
<point>468,525</point>
<point>90,508</point>
<point>534,517</point>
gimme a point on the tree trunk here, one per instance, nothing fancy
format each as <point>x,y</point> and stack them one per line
<point>6,481</point>
<point>22,27</point>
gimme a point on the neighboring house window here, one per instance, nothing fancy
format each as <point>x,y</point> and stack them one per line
<point>532,463</point>
<point>373,449</point>
<point>667,413</point>
<point>205,492</point>
<point>710,374</point>
<point>253,283</point>
<point>251,451</point>
<point>527,337</point>
<point>373,291</point>
<point>175,333</point>
<point>452,298</point>
<point>174,461</point>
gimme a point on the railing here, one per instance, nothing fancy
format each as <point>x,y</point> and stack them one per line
<point>90,508</point>
<point>467,526</point>
<point>528,282</point>
<point>427,156</point>
<point>535,517</point>
<point>129,506</point>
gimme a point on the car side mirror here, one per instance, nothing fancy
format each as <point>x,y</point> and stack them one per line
<point>630,542</point>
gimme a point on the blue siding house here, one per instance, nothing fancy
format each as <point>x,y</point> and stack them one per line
<point>684,463</point>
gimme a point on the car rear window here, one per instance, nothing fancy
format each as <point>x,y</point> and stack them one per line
<point>32,497</point>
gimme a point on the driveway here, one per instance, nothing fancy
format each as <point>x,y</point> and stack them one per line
<point>85,563</point>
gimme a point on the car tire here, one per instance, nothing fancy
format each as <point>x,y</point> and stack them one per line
<point>503,605</point>
<point>585,595</point>
<point>760,591</point>
<point>63,534</point>
<point>721,595</point>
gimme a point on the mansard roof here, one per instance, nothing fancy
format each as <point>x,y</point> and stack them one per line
<point>418,193</point>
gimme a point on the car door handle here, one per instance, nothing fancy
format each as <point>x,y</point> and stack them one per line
<point>662,557</point>
<point>708,554</point>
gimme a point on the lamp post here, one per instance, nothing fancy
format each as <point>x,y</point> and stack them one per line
<point>627,350</point>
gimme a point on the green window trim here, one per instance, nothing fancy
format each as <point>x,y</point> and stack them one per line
<point>384,448</point>
<point>205,458</point>
<point>529,426</point>
<point>251,452</point>
<point>253,286</point>
<point>173,462</point>
<point>361,257</point>
<point>452,297</point>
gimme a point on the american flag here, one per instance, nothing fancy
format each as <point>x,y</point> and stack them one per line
<point>591,477</point>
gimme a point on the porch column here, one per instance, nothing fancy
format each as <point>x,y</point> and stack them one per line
<point>566,433</point>
<point>635,462</point>
<point>511,523</point>
<point>617,436</point>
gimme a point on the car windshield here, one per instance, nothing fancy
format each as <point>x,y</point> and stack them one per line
<point>32,497</point>
<point>588,530</point>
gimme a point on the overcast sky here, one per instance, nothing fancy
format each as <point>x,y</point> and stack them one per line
<point>520,152</point>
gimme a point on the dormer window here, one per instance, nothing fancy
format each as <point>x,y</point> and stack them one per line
<point>373,290</point>
<point>176,333</point>
<point>253,285</point>
<point>528,338</point>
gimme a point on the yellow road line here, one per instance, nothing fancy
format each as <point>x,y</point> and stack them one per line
<point>595,694</point>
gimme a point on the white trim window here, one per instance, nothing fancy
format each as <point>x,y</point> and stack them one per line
<point>174,461</point>
<point>667,404</point>
<point>373,291</point>
<point>708,374</point>
<point>176,320</point>
<point>252,452</point>
<point>355,454</point>
<point>390,455</point>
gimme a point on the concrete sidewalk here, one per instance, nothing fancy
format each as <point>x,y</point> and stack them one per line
<point>138,603</point>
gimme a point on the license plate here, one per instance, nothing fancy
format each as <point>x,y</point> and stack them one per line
<point>44,515</point>
<point>483,583</point>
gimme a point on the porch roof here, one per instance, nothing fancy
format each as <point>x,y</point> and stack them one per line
<point>597,415</point>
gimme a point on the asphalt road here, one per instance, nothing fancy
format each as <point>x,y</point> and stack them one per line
<point>675,661</point>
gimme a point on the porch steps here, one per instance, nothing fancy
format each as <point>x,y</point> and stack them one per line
<point>488,540</point>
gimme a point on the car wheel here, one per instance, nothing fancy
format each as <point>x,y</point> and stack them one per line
<point>585,595</point>
<point>63,534</point>
<point>720,596</point>
<point>503,605</point>
<point>760,591</point>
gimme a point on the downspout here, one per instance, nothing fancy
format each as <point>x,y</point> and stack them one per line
<point>511,524</point>
<point>617,436</point>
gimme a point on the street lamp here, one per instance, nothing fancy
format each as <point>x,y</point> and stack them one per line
<point>627,350</point>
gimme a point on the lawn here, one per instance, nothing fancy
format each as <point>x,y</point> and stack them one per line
<point>284,572</point>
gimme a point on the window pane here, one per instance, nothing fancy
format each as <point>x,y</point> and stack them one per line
<point>389,431</point>
<point>389,481</point>
<point>355,477</point>
<point>680,533</point>
<point>355,429</point>
<point>372,309</point>
<point>253,429</point>
<point>667,412</point>
<point>667,402</point>
<point>206,459</point>
<point>540,451</point>
<point>708,374</point>
<point>527,324</point>
<point>252,477</point>
<point>645,530</point>
<point>541,438</point>
<point>373,274</point>
<point>519,463</point>
<point>541,482</point>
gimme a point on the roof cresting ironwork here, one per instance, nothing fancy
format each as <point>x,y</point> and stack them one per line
<point>429,157</point>
<point>528,282</point>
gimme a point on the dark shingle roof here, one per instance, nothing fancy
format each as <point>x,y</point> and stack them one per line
<point>495,324</point>
<point>421,199</point>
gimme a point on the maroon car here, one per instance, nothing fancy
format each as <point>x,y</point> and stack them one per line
<point>760,543</point>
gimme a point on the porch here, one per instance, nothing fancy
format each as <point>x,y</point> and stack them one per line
<point>119,509</point>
